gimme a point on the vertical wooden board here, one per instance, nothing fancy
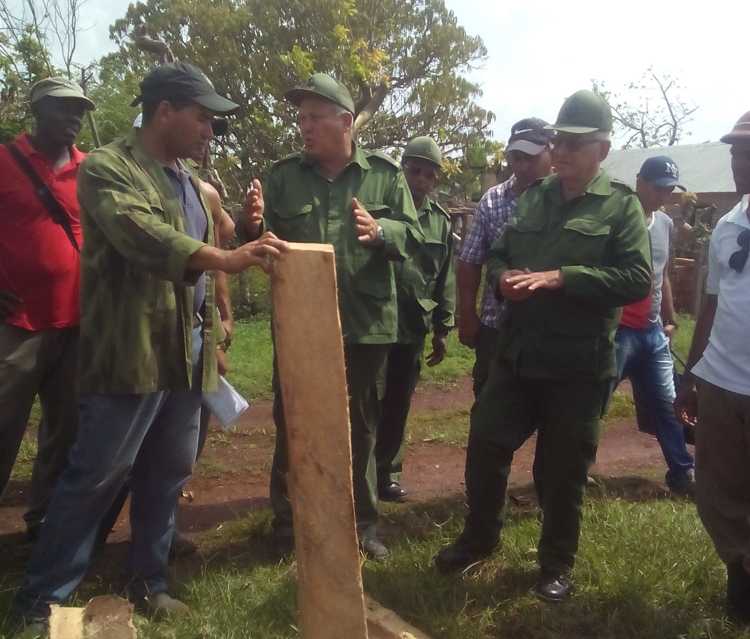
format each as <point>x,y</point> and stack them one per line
<point>310,354</point>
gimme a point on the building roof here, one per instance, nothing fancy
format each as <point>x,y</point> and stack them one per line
<point>704,168</point>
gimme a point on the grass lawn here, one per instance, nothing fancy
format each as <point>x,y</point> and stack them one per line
<point>251,357</point>
<point>646,570</point>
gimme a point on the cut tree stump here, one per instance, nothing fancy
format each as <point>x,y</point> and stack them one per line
<point>106,617</point>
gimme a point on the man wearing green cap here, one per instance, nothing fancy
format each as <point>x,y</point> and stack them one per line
<point>426,290</point>
<point>148,337</point>
<point>40,238</point>
<point>576,252</point>
<point>357,200</point>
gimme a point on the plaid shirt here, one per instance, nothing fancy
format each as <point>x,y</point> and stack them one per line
<point>495,210</point>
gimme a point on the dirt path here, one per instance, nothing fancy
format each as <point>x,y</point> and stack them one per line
<point>232,477</point>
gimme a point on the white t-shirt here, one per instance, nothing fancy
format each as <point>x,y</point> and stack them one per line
<point>726,360</point>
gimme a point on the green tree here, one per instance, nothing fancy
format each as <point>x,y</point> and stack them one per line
<point>33,34</point>
<point>402,59</point>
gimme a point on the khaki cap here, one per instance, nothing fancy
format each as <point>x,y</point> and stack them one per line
<point>59,87</point>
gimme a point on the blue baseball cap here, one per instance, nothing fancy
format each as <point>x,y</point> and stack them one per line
<point>661,171</point>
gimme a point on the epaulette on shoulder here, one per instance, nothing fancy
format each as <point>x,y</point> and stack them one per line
<point>380,155</point>
<point>622,186</point>
<point>439,208</point>
<point>287,158</point>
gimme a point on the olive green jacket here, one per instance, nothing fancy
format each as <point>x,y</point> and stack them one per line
<point>600,243</point>
<point>426,282</point>
<point>301,205</point>
<point>136,291</point>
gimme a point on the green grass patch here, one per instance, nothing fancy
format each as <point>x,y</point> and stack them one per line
<point>646,570</point>
<point>450,426</point>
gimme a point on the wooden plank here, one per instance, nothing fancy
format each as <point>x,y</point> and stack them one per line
<point>386,624</point>
<point>310,354</point>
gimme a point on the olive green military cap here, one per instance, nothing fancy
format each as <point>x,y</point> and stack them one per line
<point>59,87</point>
<point>323,86</point>
<point>583,112</point>
<point>425,148</point>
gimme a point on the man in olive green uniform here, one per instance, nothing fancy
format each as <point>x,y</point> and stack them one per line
<point>357,200</point>
<point>577,251</point>
<point>426,300</point>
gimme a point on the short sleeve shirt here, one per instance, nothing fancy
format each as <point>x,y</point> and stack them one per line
<point>40,265</point>
<point>495,210</point>
<point>726,360</point>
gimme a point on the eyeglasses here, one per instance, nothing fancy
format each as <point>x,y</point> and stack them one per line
<point>738,259</point>
<point>572,141</point>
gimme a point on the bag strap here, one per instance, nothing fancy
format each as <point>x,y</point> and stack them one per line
<point>58,214</point>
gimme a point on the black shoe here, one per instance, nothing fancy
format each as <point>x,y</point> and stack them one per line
<point>553,587</point>
<point>738,594</point>
<point>461,554</point>
<point>391,491</point>
<point>683,487</point>
<point>373,548</point>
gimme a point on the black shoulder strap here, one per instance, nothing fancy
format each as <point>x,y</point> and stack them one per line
<point>55,209</point>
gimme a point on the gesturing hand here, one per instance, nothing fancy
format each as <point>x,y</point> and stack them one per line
<point>259,252</point>
<point>254,205</point>
<point>367,226</point>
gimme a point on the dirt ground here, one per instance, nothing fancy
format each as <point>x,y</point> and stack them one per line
<point>232,476</point>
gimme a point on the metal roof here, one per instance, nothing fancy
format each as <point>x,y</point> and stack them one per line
<point>704,168</point>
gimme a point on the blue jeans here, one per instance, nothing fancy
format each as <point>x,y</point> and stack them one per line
<point>152,440</point>
<point>643,356</point>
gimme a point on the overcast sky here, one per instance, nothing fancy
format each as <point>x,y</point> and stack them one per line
<point>540,51</point>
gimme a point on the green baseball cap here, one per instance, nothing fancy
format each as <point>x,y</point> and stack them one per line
<point>424,148</point>
<point>183,81</point>
<point>323,86</point>
<point>59,87</point>
<point>583,112</point>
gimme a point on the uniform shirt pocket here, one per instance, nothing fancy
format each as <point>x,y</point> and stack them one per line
<point>585,242</point>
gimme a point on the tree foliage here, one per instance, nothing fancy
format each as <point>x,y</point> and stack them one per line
<point>32,36</point>
<point>402,59</point>
<point>648,112</point>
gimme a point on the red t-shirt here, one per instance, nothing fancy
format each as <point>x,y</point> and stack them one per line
<point>636,315</point>
<point>38,263</point>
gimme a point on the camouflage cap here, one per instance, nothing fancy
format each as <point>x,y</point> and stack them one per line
<point>59,87</point>
<point>424,148</point>
<point>323,86</point>
<point>584,112</point>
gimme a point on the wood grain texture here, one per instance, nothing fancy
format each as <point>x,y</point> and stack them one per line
<point>310,354</point>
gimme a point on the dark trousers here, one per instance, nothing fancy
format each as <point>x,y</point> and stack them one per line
<point>401,376</point>
<point>39,363</point>
<point>567,412</point>
<point>364,363</point>
<point>722,470</point>
<point>485,350</point>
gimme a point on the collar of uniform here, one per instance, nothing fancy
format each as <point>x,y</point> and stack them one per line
<point>738,215</point>
<point>148,163</point>
<point>599,185</point>
<point>23,142</point>
<point>358,157</point>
